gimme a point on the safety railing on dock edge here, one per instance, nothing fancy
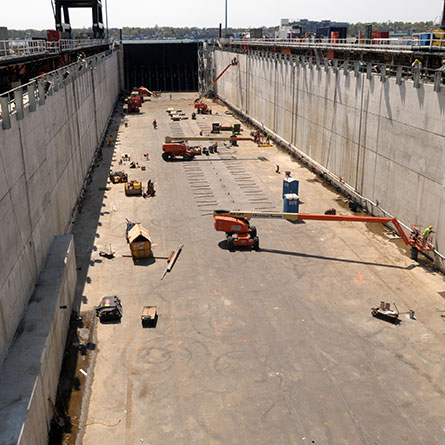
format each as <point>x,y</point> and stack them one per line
<point>11,49</point>
<point>38,89</point>
<point>388,44</point>
<point>415,72</point>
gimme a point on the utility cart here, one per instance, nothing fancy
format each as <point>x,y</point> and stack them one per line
<point>149,316</point>
<point>133,188</point>
<point>117,177</point>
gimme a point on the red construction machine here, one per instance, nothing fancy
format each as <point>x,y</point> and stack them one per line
<point>202,108</point>
<point>171,150</point>
<point>134,104</point>
<point>239,232</point>
<point>177,146</point>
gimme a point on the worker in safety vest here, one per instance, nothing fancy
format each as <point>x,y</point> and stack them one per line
<point>427,233</point>
<point>417,64</point>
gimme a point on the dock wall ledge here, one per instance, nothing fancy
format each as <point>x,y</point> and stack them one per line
<point>30,374</point>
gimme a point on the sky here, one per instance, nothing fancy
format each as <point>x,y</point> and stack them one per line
<point>37,14</point>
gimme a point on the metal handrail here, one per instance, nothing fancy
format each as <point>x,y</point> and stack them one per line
<point>402,72</point>
<point>7,99</point>
<point>412,43</point>
<point>11,49</point>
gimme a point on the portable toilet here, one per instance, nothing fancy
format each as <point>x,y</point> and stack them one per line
<point>425,39</point>
<point>291,203</point>
<point>140,242</point>
<point>290,185</point>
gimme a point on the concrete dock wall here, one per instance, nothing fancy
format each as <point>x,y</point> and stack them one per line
<point>30,374</point>
<point>386,140</point>
<point>45,154</point>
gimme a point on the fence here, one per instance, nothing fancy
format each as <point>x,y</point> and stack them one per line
<point>11,49</point>
<point>414,43</point>
<point>36,91</point>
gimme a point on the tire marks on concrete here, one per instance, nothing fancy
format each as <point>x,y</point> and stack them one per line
<point>249,187</point>
<point>176,129</point>
<point>203,194</point>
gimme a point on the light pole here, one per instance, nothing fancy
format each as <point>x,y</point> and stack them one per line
<point>106,18</point>
<point>225,35</point>
<point>442,22</point>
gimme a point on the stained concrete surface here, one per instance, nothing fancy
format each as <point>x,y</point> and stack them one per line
<point>275,346</point>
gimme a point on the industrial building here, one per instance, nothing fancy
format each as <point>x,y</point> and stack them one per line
<point>290,29</point>
<point>284,286</point>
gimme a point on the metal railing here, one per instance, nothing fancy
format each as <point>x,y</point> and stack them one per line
<point>415,72</point>
<point>400,44</point>
<point>11,49</point>
<point>38,89</point>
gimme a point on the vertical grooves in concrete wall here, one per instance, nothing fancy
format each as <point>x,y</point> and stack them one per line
<point>382,139</point>
<point>33,273</point>
<point>76,107</point>
<point>377,143</point>
<point>95,106</point>
<point>364,133</point>
<point>359,142</point>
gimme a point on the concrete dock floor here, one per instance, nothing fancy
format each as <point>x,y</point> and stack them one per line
<point>270,347</point>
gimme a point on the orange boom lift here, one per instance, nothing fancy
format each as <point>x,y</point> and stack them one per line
<point>239,232</point>
<point>203,107</point>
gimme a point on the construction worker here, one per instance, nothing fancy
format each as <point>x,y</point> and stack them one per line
<point>442,68</point>
<point>427,233</point>
<point>416,64</point>
<point>155,124</point>
<point>150,188</point>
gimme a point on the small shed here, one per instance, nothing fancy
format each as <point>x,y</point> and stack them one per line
<point>140,242</point>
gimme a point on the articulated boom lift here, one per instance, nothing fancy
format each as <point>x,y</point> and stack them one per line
<point>239,232</point>
<point>201,106</point>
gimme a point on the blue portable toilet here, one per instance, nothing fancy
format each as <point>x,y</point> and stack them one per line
<point>425,39</point>
<point>291,203</point>
<point>290,185</point>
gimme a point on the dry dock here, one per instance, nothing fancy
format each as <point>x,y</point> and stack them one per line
<point>270,347</point>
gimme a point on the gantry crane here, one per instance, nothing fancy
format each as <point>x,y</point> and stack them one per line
<point>64,25</point>
<point>239,232</point>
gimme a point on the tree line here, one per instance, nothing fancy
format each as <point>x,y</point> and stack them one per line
<point>168,32</point>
